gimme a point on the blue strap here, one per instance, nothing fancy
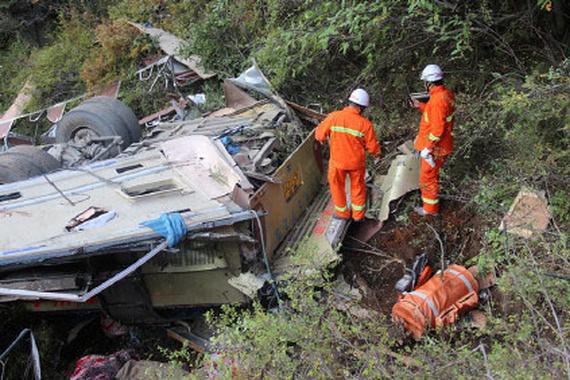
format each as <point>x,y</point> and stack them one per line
<point>170,225</point>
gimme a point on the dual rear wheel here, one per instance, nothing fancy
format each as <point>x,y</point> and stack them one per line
<point>98,117</point>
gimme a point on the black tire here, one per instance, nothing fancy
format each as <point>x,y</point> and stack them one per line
<point>38,156</point>
<point>105,113</point>
<point>80,123</point>
<point>18,167</point>
<point>122,111</point>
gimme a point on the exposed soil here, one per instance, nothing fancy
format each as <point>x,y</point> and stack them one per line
<point>375,267</point>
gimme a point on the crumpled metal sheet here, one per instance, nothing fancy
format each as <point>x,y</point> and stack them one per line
<point>170,44</point>
<point>198,160</point>
<point>34,352</point>
<point>235,97</point>
<point>253,78</point>
<point>403,177</point>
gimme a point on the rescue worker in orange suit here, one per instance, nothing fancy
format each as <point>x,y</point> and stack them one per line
<point>435,136</point>
<point>350,136</point>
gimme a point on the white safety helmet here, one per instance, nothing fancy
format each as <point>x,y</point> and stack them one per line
<point>360,97</point>
<point>432,73</point>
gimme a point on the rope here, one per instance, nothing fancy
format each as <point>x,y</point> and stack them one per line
<point>171,226</point>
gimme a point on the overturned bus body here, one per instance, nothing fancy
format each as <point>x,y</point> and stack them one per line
<point>196,213</point>
<point>241,181</point>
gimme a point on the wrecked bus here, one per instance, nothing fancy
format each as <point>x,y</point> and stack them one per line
<point>243,180</point>
<point>197,213</point>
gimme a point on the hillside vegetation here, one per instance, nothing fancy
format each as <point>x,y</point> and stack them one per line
<point>508,63</point>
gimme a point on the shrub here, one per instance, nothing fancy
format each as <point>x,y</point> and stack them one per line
<point>14,66</point>
<point>55,69</point>
<point>120,48</point>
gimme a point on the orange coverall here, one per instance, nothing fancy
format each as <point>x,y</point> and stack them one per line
<point>351,135</point>
<point>436,134</point>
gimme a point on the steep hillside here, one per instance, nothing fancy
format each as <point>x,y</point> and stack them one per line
<point>508,63</point>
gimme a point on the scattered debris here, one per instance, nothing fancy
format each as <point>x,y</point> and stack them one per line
<point>170,114</point>
<point>171,44</point>
<point>189,338</point>
<point>13,113</point>
<point>34,353</point>
<point>112,328</point>
<point>91,218</point>
<point>198,99</point>
<point>528,216</point>
<point>247,283</point>
<point>100,367</point>
<point>402,177</point>
<point>347,298</point>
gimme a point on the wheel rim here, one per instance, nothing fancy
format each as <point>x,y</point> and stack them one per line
<point>83,135</point>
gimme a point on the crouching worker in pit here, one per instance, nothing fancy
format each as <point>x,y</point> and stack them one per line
<point>350,136</point>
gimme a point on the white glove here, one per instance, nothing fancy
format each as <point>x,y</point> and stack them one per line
<point>426,155</point>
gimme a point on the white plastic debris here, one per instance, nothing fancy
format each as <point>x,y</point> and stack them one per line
<point>198,99</point>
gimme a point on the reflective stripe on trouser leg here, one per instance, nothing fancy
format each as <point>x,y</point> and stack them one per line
<point>429,185</point>
<point>337,183</point>
<point>358,193</point>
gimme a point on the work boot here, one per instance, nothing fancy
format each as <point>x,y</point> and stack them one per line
<point>421,212</point>
<point>358,220</point>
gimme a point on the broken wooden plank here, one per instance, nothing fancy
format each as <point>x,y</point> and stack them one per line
<point>195,342</point>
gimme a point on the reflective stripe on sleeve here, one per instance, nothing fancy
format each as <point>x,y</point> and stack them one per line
<point>430,201</point>
<point>431,305</point>
<point>426,118</point>
<point>462,277</point>
<point>353,132</point>
<point>433,138</point>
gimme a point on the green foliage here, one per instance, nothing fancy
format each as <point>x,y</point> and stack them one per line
<point>139,96</point>
<point>223,32</point>
<point>494,252</point>
<point>13,63</point>
<point>318,50</point>
<point>306,338</point>
<point>137,10</point>
<point>537,120</point>
<point>55,70</point>
<point>310,337</point>
<point>120,48</point>
<point>560,205</point>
